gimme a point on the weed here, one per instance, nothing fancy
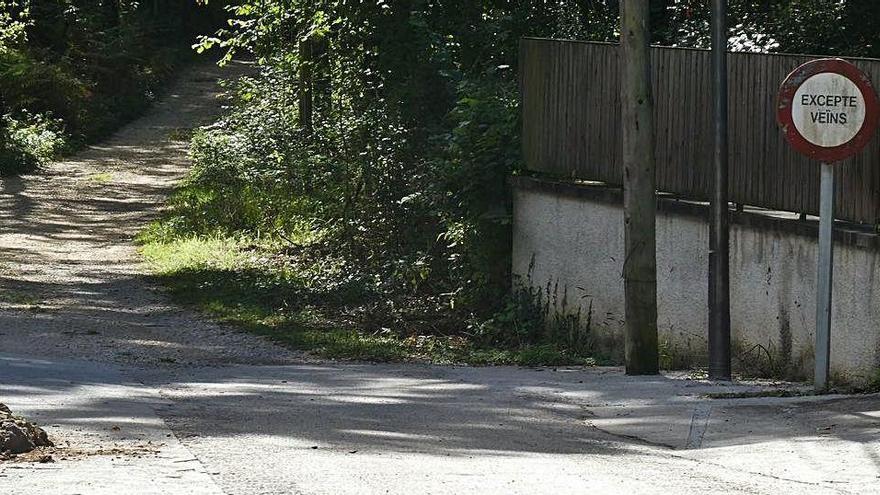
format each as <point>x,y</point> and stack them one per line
<point>101,178</point>
<point>181,134</point>
<point>765,361</point>
<point>19,298</point>
<point>247,283</point>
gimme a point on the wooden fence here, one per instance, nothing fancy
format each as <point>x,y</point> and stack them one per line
<point>571,126</point>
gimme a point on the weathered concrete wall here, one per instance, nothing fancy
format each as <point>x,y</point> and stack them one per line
<point>570,238</point>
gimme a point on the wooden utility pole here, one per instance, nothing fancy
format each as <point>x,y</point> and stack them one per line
<point>639,200</point>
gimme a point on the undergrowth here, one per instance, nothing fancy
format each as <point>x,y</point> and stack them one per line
<point>29,141</point>
<point>359,182</point>
<point>323,309</point>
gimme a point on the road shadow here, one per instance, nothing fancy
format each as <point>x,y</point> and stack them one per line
<point>437,410</point>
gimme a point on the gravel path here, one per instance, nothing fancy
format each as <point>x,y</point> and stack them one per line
<point>71,283</point>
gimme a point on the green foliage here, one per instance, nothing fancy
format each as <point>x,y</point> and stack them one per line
<point>873,385</point>
<point>28,142</point>
<point>822,27</point>
<point>402,171</point>
<point>307,305</point>
<point>86,66</point>
<point>372,152</point>
<point>13,21</point>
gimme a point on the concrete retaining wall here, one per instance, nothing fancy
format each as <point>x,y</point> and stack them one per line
<point>568,241</point>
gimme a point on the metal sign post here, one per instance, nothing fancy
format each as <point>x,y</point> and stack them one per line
<point>719,235</point>
<point>824,278</point>
<point>828,110</point>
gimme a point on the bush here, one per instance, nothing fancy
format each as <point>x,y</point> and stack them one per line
<point>480,152</point>
<point>406,217</point>
<point>28,142</point>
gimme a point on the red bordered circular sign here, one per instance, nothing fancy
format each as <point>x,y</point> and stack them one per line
<point>828,109</point>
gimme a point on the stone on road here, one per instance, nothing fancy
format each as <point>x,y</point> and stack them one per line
<point>116,443</point>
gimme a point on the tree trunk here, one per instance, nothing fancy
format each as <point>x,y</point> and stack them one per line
<point>640,204</point>
<point>306,66</point>
<point>321,87</point>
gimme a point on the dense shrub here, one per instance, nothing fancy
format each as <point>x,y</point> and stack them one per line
<point>399,176</point>
<point>29,142</point>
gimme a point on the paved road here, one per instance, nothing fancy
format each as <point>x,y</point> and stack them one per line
<point>145,397</point>
<point>358,428</point>
<point>112,440</point>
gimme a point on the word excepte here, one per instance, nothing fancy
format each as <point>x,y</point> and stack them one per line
<point>825,116</point>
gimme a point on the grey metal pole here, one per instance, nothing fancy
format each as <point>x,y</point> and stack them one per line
<point>824,280</point>
<point>719,236</point>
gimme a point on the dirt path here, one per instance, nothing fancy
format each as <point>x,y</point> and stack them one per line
<point>71,283</point>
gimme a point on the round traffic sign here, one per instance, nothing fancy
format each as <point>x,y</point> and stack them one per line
<point>828,109</point>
